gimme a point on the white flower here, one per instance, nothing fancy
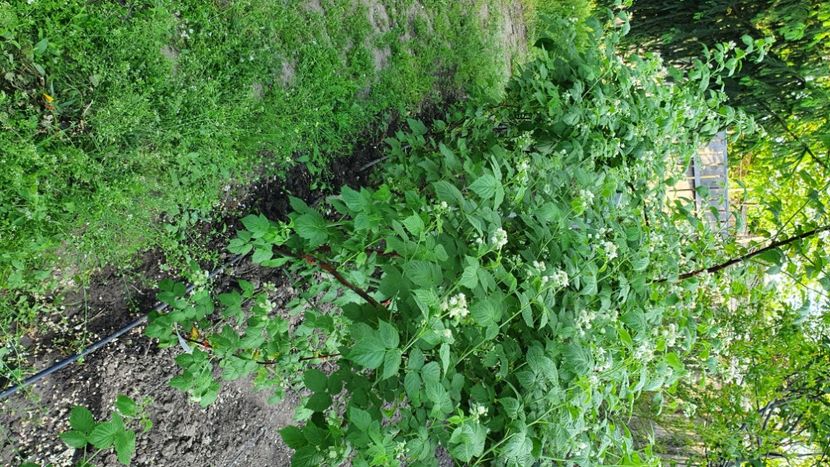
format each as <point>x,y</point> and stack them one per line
<point>478,410</point>
<point>644,352</point>
<point>498,239</point>
<point>444,205</point>
<point>587,196</point>
<point>610,250</point>
<point>447,334</point>
<point>457,306</point>
<point>558,279</point>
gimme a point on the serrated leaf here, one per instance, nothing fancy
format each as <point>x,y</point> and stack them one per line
<point>485,186</point>
<point>74,439</point>
<point>293,437</point>
<point>312,227</point>
<point>469,278</point>
<point>359,418</point>
<point>261,255</point>
<point>412,385</point>
<point>368,352</point>
<point>444,354</point>
<point>388,335</point>
<point>103,435</point>
<point>391,363</point>
<point>315,380</point>
<point>319,402</point>
<point>414,224</point>
<point>467,441</point>
<point>124,446</point>
<point>126,406</point>
<point>258,225</point>
<point>81,419</point>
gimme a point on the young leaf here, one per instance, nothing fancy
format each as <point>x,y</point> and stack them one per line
<point>74,439</point>
<point>126,406</point>
<point>312,227</point>
<point>124,446</point>
<point>103,435</point>
<point>80,418</point>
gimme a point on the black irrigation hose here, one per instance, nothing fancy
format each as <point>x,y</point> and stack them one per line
<point>159,307</point>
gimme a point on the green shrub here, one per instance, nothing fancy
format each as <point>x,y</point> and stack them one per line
<point>500,290</point>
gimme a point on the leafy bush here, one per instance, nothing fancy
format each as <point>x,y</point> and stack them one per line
<point>506,294</point>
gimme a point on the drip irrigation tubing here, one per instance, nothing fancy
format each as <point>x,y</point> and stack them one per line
<point>158,307</point>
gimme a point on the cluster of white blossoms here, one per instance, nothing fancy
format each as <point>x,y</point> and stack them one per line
<point>584,321</point>
<point>734,373</point>
<point>644,352</point>
<point>557,279</point>
<point>498,238</point>
<point>477,411</point>
<point>610,249</point>
<point>457,306</point>
<point>587,196</point>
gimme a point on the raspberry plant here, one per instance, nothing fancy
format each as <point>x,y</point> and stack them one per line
<point>506,293</point>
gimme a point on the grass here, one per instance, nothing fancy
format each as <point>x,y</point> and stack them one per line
<point>125,122</point>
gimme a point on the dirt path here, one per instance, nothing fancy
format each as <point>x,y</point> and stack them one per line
<point>240,428</point>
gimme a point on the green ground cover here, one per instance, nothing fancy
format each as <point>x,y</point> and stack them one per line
<point>125,123</point>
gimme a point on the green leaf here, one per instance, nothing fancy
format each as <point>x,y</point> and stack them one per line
<point>353,199</point>
<point>485,186</point>
<point>542,364</point>
<point>446,191</point>
<point>368,352</point>
<point>511,407</point>
<point>444,354</point>
<point>74,439</point>
<point>414,224</point>
<point>519,448</point>
<point>469,278</point>
<point>391,363</point>
<point>639,264</point>
<point>315,380</point>
<point>418,128</point>
<point>359,418</point>
<point>467,441</point>
<point>81,419</point>
<point>412,385</point>
<point>485,313</point>
<point>388,335</point>
<point>257,225</point>
<point>124,446</point>
<point>103,435</point>
<point>319,402</point>
<point>423,274</point>
<point>126,406</point>
<point>261,255</point>
<point>293,437</point>
<point>312,227</point>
